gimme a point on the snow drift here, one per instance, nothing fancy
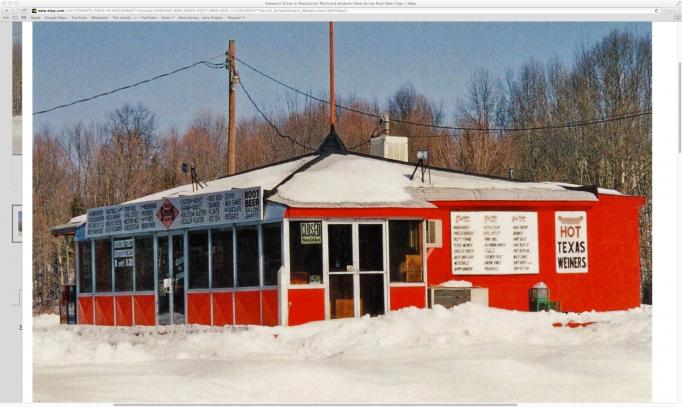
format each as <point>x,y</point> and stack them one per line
<point>467,354</point>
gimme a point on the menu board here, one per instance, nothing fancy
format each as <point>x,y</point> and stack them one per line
<point>494,242</point>
<point>220,208</point>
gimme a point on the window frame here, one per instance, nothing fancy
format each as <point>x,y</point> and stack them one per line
<point>424,249</point>
<point>113,263</point>
<point>190,288</point>
<point>286,243</point>
<point>152,238</point>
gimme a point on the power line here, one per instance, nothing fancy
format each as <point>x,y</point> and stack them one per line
<point>308,95</point>
<point>568,125</point>
<point>270,123</point>
<point>206,63</point>
<point>598,120</point>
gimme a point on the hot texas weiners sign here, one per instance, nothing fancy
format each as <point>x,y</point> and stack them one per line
<point>220,208</point>
<point>571,242</point>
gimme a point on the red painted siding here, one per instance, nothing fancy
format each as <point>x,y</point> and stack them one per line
<point>612,281</point>
<point>247,307</point>
<point>85,310</point>
<point>306,305</point>
<point>199,308</point>
<point>222,308</point>
<point>123,306</point>
<point>145,309</point>
<point>402,297</point>
<point>104,310</point>
<point>270,301</point>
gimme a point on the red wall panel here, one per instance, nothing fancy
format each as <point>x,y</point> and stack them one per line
<point>104,310</point>
<point>612,280</point>
<point>611,283</point>
<point>199,308</point>
<point>222,308</point>
<point>247,307</point>
<point>145,309</point>
<point>85,310</point>
<point>402,297</point>
<point>270,307</point>
<point>123,306</point>
<point>306,305</point>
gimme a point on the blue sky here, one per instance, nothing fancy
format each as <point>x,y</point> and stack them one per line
<point>77,60</point>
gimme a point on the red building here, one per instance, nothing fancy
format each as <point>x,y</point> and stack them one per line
<point>340,234</point>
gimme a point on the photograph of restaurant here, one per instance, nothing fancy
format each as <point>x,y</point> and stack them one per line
<point>336,234</point>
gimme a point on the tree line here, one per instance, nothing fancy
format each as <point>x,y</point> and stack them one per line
<point>125,155</point>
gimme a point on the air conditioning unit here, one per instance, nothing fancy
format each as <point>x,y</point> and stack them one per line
<point>449,297</point>
<point>391,147</point>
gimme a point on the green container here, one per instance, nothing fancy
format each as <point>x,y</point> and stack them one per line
<point>538,299</point>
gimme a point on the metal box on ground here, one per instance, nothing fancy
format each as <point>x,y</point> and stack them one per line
<point>449,297</point>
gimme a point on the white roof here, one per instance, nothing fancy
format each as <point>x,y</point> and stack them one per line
<point>266,177</point>
<point>356,180</point>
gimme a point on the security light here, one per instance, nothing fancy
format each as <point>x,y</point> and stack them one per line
<point>422,155</point>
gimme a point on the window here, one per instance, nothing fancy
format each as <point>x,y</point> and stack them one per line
<point>340,242</point>
<point>198,259</point>
<point>123,264</point>
<point>434,233</point>
<point>305,249</point>
<point>221,259</point>
<point>85,267</point>
<point>272,252</point>
<point>103,266</point>
<point>144,264</point>
<point>371,246</point>
<point>405,242</point>
<point>247,257</point>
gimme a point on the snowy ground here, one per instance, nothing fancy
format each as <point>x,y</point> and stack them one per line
<point>467,354</point>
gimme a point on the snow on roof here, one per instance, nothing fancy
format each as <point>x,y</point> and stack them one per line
<point>355,180</point>
<point>604,191</point>
<point>69,227</point>
<point>266,177</point>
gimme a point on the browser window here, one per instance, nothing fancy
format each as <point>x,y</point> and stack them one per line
<point>313,202</point>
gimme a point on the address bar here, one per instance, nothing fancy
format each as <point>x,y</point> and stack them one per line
<point>497,10</point>
<point>364,10</point>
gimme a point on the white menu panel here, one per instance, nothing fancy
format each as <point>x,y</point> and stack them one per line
<point>494,242</point>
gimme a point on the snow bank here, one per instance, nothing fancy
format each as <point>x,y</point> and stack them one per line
<point>438,355</point>
<point>456,283</point>
<point>45,320</point>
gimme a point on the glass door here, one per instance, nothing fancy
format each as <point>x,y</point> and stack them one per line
<point>341,270</point>
<point>371,272</point>
<point>170,265</point>
<point>355,269</point>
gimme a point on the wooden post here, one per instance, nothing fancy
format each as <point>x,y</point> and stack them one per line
<point>332,98</point>
<point>231,129</point>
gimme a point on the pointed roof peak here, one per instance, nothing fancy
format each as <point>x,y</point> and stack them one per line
<point>332,144</point>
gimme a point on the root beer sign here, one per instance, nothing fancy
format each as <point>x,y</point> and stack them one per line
<point>221,208</point>
<point>571,242</point>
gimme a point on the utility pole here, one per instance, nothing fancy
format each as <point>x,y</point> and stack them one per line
<point>332,98</point>
<point>233,78</point>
